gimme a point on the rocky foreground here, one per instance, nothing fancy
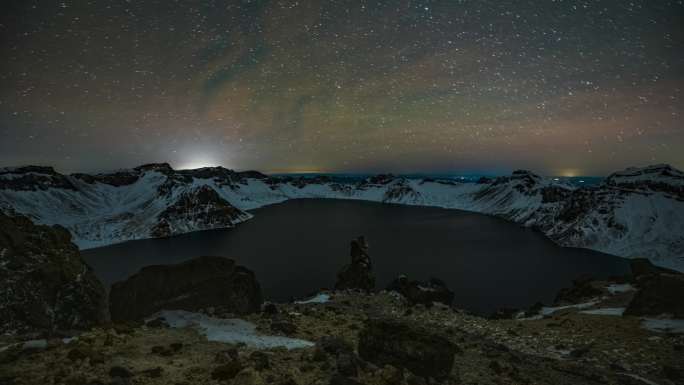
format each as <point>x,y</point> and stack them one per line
<point>363,339</point>
<point>204,322</point>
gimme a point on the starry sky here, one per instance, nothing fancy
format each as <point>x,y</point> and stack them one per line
<point>560,87</point>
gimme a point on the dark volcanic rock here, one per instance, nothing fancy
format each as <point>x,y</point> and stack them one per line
<point>44,283</point>
<point>201,209</point>
<point>418,349</point>
<point>582,289</point>
<point>658,294</point>
<point>642,266</point>
<point>359,273</point>
<point>196,284</point>
<point>435,290</point>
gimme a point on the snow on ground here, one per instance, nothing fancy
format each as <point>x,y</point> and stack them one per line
<point>27,345</point>
<point>228,330</point>
<point>551,310</point>
<point>617,311</point>
<point>663,325</point>
<point>320,298</point>
<point>620,288</point>
<point>642,379</point>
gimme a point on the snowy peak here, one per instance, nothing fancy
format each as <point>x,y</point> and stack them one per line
<point>657,178</point>
<point>199,209</point>
<point>401,191</point>
<point>638,212</point>
<point>521,180</point>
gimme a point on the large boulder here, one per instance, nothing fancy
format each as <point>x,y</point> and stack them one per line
<point>45,286</point>
<point>417,292</point>
<point>359,273</point>
<point>197,284</point>
<point>424,352</point>
<point>642,267</point>
<point>658,294</point>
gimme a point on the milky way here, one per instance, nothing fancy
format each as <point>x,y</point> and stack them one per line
<point>560,87</point>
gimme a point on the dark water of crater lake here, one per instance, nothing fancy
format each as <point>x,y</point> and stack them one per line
<point>297,247</point>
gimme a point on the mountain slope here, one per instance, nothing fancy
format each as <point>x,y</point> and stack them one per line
<point>638,212</point>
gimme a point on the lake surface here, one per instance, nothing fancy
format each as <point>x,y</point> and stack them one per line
<point>298,246</point>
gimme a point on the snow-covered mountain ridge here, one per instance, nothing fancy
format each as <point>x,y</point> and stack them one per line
<point>638,212</point>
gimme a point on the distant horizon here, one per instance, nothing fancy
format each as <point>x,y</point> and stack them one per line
<point>453,173</point>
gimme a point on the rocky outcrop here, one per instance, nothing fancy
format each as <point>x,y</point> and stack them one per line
<point>657,295</point>
<point>198,284</point>
<point>424,352</point>
<point>660,291</point>
<point>643,267</point>
<point>359,273</point>
<point>568,348</point>
<point>426,293</point>
<point>200,209</point>
<point>45,286</point>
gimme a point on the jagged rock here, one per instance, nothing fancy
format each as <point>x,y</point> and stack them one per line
<point>658,294</point>
<point>417,292</point>
<point>200,209</point>
<point>197,284</point>
<point>45,285</point>
<point>359,273</point>
<point>402,344</point>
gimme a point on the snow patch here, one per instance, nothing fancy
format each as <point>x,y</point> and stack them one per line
<point>228,330</point>
<point>662,325</point>
<point>620,288</point>
<point>320,298</point>
<point>616,311</point>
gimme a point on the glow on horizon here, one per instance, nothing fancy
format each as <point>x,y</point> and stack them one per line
<point>570,172</point>
<point>199,162</point>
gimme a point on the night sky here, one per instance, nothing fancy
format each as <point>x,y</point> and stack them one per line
<point>559,87</point>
